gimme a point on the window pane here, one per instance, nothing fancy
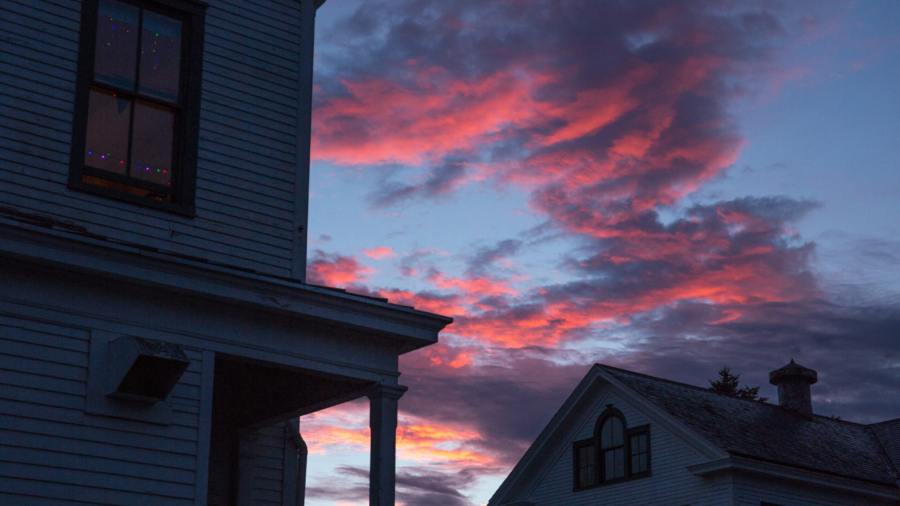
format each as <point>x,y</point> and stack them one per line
<point>106,145</point>
<point>586,477</point>
<point>635,464</point>
<point>605,435</point>
<point>620,462</point>
<point>115,56</point>
<point>151,143</point>
<point>610,464</point>
<point>160,56</point>
<point>586,466</point>
<point>617,432</point>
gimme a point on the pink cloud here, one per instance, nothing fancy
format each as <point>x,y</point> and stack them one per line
<point>335,270</point>
<point>380,252</point>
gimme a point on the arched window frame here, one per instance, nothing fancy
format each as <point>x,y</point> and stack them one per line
<point>609,414</point>
<point>632,437</point>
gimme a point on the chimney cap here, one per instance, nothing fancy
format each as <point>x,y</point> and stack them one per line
<point>793,372</point>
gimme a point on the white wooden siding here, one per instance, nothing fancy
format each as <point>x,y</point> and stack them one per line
<point>51,452</point>
<point>248,123</point>
<point>268,472</point>
<point>267,481</point>
<point>670,484</point>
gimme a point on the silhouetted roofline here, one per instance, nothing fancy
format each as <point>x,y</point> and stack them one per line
<point>771,434</point>
<point>707,390</point>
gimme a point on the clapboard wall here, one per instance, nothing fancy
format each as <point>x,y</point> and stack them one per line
<point>248,133</point>
<point>272,446</point>
<point>752,491</point>
<point>670,483</point>
<point>268,466</point>
<point>53,453</point>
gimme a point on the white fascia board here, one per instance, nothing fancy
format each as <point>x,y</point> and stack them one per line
<point>413,329</point>
<point>770,469</point>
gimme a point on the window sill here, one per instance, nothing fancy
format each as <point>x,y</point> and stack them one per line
<point>169,207</point>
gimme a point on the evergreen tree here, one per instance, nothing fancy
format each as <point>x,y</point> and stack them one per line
<point>728,383</point>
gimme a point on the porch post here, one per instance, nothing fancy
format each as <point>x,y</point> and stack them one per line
<point>383,424</point>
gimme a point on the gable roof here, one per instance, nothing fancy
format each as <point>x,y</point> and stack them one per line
<point>554,433</point>
<point>770,433</point>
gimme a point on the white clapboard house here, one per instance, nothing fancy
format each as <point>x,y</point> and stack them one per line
<point>628,439</point>
<point>157,339</point>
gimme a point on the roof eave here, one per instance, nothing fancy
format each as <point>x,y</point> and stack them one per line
<point>409,328</point>
<point>735,463</point>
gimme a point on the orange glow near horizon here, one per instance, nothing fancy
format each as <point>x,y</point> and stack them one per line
<point>346,426</point>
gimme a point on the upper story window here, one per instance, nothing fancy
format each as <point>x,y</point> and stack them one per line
<point>137,101</point>
<point>585,454</point>
<point>612,446</point>
<point>639,449</point>
<point>614,454</point>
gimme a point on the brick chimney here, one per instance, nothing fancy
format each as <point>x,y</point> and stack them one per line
<point>793,381</point>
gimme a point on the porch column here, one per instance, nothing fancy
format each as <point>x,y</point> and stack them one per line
<point>383,424</point>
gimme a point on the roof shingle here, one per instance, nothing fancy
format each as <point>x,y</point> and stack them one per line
<point>888,434</point>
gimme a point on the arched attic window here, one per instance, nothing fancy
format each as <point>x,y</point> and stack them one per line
<point>615,453</point>
<point>611,432</point>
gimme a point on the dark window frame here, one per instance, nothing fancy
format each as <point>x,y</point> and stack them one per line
<point>642,430</point>
<point>628,433</point>
<point>576,446</point>
<point>611,412</point>
<point>192,13</point>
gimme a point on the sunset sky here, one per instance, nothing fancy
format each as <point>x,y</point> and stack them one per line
<point>667,187</point>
